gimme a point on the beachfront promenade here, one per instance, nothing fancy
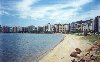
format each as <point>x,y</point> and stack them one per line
<point>61,53</point>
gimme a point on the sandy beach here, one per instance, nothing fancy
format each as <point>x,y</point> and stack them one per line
<point>61,53</point>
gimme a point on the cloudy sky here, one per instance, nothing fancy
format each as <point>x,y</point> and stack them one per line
<point>41,12</point>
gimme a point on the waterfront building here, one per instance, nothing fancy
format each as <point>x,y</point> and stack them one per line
<point>91,29</point>
<point>88,26</point>
<point>44,29</point>
<point>35,30</point>
<point>5,29</point>
<point>31,29</point>
<point>61,28</point>
<point>40,29</point>
<point>96,24</point>
<point>67,28</point>
<point>99,24</point>
<point>10,29</point>
<point>48,28</point>
<point>15,29</point>
<point>19,29</point>
<point>56,27</point>
<point>24,29</point>
<point>72,27</point>
<point>53,29</point>
<point>79,26</point>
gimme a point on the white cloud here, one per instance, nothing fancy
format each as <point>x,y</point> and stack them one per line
<point>24,7</point>
<point>78,3</point>
<point>87,15</point>
<point>2,12</point>
<point>55,12</point>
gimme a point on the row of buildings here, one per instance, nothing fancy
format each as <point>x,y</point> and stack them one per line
<point>56,28</point>
<point>88,26</point>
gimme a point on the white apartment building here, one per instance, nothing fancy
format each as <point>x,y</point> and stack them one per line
<point>88,25</point>
<point>49,27</point>
<point>61,28</point>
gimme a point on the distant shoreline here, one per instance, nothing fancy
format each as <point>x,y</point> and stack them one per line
<point>35,33</point>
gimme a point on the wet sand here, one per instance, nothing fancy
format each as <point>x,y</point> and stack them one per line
<point>61,53</point>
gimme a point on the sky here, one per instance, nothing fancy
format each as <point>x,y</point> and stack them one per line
<point>41,12</point>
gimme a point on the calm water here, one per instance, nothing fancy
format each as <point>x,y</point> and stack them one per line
<point>16,47</point>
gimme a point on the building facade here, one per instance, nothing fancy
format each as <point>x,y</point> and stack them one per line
<point>99,24</point>
<point>72,27</point>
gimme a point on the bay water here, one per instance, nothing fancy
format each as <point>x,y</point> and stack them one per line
<point>25,47</point>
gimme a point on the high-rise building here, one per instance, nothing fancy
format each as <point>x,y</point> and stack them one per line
<point>23,29</point>
<point>99,24</point>
<point>56,27</point>
<point>19,29</point>
<point>53,29</point>
<point>44,29</point>
<point>31,28</point>
<point>15,29</point>
<point>67,28</point>
<point>49,28</point>
<point>96,24</point>
<point>5,29</point>
<point>72,27</point>
<point>10,29</point>
<point>88,25</point>
<point>40,29</point>
<point>61,28</point>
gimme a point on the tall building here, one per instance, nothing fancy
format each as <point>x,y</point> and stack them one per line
<point>15,29</point>
<point>31,28</point>
<point>5,29</point>
<point>96,24</point>
<point>61,28</point>
<point>53,29</point>
<point>44,29</point>
<point>79,26</point>
<point>19,29</point>
<point>24,29</point>
<point>10,29</point>
<point>99,24</point>
<point>67,28</point>
<point>72,27</point>
<point>56,28</point>
<point>40,29</point>
<point>88,25</point>
<point>49,28</point>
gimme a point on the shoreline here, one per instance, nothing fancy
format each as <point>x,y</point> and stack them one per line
<point>47,52</point>
<point>60,53</point>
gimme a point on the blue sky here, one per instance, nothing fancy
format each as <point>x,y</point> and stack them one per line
<point>41,12</point>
